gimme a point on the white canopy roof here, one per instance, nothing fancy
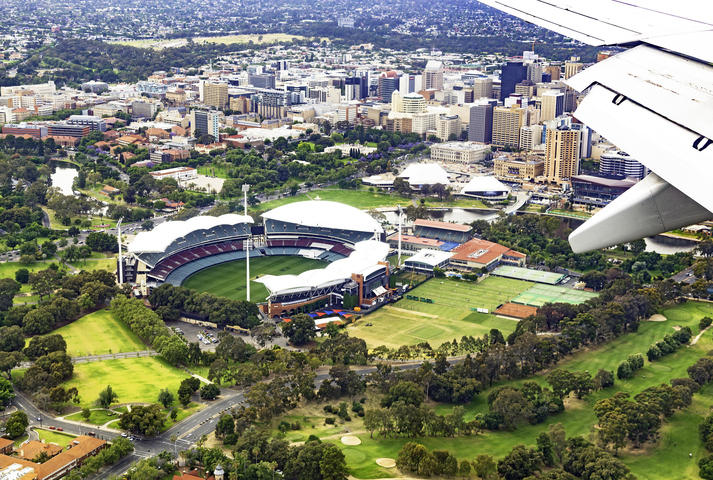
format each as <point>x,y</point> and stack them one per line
<point>363,260</point>
<point>158,239</point>
<point>485,184</point>
<point>429,257</point>
<point>325,214</point>
<point>425,174</point>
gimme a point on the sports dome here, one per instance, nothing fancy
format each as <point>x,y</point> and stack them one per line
<point>325,214</point>
<point>158,239</point>
<point>488,187</point>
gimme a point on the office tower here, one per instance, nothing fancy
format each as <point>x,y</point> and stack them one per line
<point>526,88</point>
<point>571,69</point>
<point>262,80</point>
<point>546,77</point>
<point>507,123</point>
<point>481,124</point>
<point>585,140</point>
<point>534,72</point>
<point>388,82</point>
<point>620,163</point>
<point>433,75</point>
<point>448,125</point>
<point>552,105</point>
<point>554,73</point>
<point>562,154</point>
<point>512,74</point>
<point>215,95</point>
<point>530,137</point>
<point>357,87</point>
<point>204,122</point>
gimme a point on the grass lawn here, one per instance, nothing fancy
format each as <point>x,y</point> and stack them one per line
<point>26,299</point>
<point>98,264</point>
<point>98,417</point>
<point>228,279</point>
<point>98,333</point>
<point>8,269</point>
<point>220,172</point>
<point>134,379</point>
<point>18,441</point>
<point>182,413</point>
<point>50,436</point>
<point>114,425</point>
<point>362,199</point>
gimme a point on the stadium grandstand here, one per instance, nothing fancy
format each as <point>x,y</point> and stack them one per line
<point>349,239</point>
<point>443,231</point>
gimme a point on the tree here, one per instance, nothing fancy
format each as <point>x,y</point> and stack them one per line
<point>107,397</point>
<point>613,429</point>
<point>706,467</point>
<point>407,392</point>
<point>145,419</point>
<point>86,413</point>
<point>8,289</point>
<point>521,462</point>
<point>464,469</point>
<point>513,406</point>
<point>210,391</point>
<point>45,281</point>
<point>166,397</point>
<point>603,379</point>
<point>484,466</point>
<point>225,426</point>
<point>546,449</point>
<point>16,424</point>
<point>22,275</point>
<point>6,393</point>
<point>558,437</point>
<point>38,321</point>
<point>300,330</point>
<point>11,339</point>
<point>333,465</point>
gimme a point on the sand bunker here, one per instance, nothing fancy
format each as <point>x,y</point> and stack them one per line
<point>386,462</point>
<point>657,318</point>
<point>351,440</point>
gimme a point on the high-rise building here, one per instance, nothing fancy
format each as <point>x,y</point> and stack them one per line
<point>530,137</point>
<point>562,154</point>
<point>507,122</point>
<point>534,72</point>
<point>552,105</point>
<point>448,125</point>
<point>413,103</point>
<point>512,74</point>
<point>388,82</point>
<point>480,128</point>
<point>572,68</point>
<point>204,122</point>
<point>620,163</point>
<point>526,88</point>
<point>433,75</point>
<point>261,80</point>
<point>357,87</point>
<point>554,72</point>
<point>215,95</point>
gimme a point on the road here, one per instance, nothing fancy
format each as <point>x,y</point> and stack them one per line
<point>188,431</point>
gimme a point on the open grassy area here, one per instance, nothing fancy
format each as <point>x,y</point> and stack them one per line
<point>8,269</point>
<point>26,299</point>
<point>134,379</point>
<point>362,199</point>
<point>51,436</point>
<point>95,264</point>
<point>98,417</point>
<point>98,333</point>
<point>182,413</point>
<point>228,279</point>
<point>214,170</point>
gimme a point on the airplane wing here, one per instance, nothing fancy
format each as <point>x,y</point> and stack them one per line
<point>654,101</point>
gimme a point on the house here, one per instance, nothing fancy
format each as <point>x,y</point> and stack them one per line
<point>6,446</point>
<point>171,205</point>
<point>32,449</point>
<point>157,133</point>
<point>109,190</point>
<point>65,141</point>
<point>180,131</point>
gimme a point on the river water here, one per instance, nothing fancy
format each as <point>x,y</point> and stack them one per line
<point>64,176</point>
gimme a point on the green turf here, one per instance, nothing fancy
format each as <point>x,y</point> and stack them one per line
<point>27,299</point>
<point>530,275</point>
<point>362,199</point>
<point>8,269</point>
<point>228,279</point>
<point>134,379</point>
<point>52,436</point>
<point>108,264</point>
<point>98,417</point>
<point>540,294</point>
<point>98,333</point>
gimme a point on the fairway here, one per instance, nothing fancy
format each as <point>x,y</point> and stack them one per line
<point>98,333</point>
<point>228,279</point>
<point>409,322</point>
<point>540,294</point>
<point>136,380</point>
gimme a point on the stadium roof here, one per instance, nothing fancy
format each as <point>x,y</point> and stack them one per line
<point>325,214</point>
<point>425,174</point>
<point>158,239</point>
<point>485,184</point>
<point>457,227</point>
<point>429,257</point>
<point>364,260</point>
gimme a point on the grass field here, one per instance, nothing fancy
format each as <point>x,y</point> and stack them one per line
<point>667,459</point>
<point>8,269</point>
<point>108,264</point>
<point>540,294</point>
<point>98,417</point>
<point>134,379</point>
<point>408,322</point>
<point>49,436</point>
<point>228,279</point>
<point>362,199</point>
<point>98,333</point>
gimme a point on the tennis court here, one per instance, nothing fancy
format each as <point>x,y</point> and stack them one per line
<point>540,294</point>
<point>526,274</point>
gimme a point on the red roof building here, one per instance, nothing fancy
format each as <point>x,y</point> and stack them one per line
<point>476,254</point>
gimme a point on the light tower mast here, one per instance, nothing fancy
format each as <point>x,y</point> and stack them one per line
<point>401,221</point>
<point>247,243</point>
<point>121,260</point>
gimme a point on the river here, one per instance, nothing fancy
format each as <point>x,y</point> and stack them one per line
<point>63,176</point>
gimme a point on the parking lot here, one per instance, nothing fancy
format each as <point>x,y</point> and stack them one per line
<point>192,331</point>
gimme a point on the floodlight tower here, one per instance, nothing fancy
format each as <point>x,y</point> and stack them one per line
<point>247,242</point>
<point>401,220</point>
<point>121,261</point>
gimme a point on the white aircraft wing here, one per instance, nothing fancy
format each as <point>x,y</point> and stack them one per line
<point>654,101</point>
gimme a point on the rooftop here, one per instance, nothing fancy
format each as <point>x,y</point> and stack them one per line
<point>482,251</point>
<point>325,214</point>
<point>456,227</point>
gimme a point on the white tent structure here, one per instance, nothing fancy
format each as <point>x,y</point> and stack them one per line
<point>486,187</point>
<point>420,174</point>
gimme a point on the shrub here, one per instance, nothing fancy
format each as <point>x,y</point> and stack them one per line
<point>624,370</point>
<point>705,323</point>
<point>329,420</point>
<point>347,418</point>
<point>328,409</point>
<point>283,426</point>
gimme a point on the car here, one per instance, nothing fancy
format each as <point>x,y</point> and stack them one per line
<point>124,435</point>
<point>91,434</point>
<point>60,429</point>
<point>52,428</point>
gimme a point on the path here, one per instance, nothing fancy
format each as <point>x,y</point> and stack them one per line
<point>111,356</point>
<point>695,340</point>
<point>412,312</point>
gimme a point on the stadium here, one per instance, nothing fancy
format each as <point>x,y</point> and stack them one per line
<point>349,240</point>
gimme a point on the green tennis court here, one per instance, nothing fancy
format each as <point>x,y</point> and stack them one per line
<point>536,276</point>
<point>540,294</point>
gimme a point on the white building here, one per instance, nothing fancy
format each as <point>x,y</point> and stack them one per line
<point>460,152</point>
<point>419,174</point>
<point>178,173</point>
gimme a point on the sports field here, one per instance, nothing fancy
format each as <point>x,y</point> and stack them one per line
<point>528,274</point>
<point>540,294</point>
<point>228,279</point>
<point>98,333</point>
<point>408,322</point>
<point>134,379</point>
